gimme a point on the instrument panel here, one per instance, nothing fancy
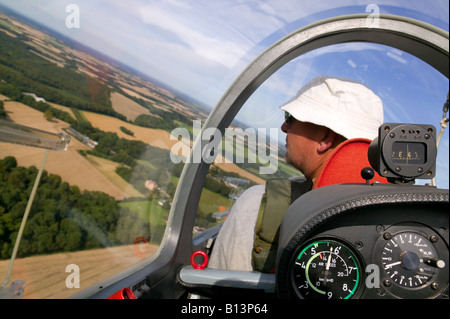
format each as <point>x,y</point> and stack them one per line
<point>393,250</point>
<point>406,264</point>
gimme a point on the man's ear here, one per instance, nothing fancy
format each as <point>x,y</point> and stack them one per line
<point>327,142</point>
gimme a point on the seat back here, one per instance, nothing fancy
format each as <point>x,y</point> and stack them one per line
<point>346,163</point>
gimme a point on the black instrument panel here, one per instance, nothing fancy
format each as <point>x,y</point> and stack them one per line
<point>380,241</point>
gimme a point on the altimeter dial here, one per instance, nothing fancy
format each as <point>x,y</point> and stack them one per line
<point>410,260</point>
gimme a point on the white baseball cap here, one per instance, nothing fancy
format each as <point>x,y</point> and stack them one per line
<point>345,106</point>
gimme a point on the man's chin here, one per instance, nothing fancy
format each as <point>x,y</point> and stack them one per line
<point>287,159</point>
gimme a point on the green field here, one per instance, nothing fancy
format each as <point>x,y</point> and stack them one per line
<point>155,212</point>
<point>10,26</point>
<point>148,210</point>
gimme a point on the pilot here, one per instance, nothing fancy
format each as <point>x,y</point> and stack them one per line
<point>326,112</point>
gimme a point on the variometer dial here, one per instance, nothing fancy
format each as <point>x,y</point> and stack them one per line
<point>326,269</point>
<point>410,260</point>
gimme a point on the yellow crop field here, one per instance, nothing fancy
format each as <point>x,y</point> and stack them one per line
<point>70,165</point>
<point>45,276</point>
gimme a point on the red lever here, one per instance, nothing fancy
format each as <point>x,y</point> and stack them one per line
<point>124,293</point>
<point>205,257</point>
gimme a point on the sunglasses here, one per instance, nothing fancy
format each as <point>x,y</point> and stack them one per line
<point>288,118</point>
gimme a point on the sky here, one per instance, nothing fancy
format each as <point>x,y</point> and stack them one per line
<point>200,46</point>
<point>202,40</point>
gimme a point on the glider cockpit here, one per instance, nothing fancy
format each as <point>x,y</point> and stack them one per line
<point>361,227</point>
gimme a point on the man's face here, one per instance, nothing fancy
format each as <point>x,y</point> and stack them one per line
<point>302,139</point>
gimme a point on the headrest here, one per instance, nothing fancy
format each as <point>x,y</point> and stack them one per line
<point>346,163</point>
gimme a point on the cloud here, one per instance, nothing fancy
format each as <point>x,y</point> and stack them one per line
<point>210,47</point>
<point>397,56</point>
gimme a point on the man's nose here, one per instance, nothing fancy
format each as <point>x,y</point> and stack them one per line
<point>284,127</point>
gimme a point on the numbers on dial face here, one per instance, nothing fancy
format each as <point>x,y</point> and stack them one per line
<point>326,269</point>
<point>408,260</point>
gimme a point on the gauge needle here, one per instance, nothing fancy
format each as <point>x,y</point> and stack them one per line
<point>392,265</point>
<point>328,262</point>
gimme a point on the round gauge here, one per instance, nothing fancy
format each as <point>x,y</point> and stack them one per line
<point>325,269</point>
<point>410,260</point>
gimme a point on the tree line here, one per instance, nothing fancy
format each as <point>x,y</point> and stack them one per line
<point>62,218</point>
<point>30,73</point>
<point>2,111</point>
